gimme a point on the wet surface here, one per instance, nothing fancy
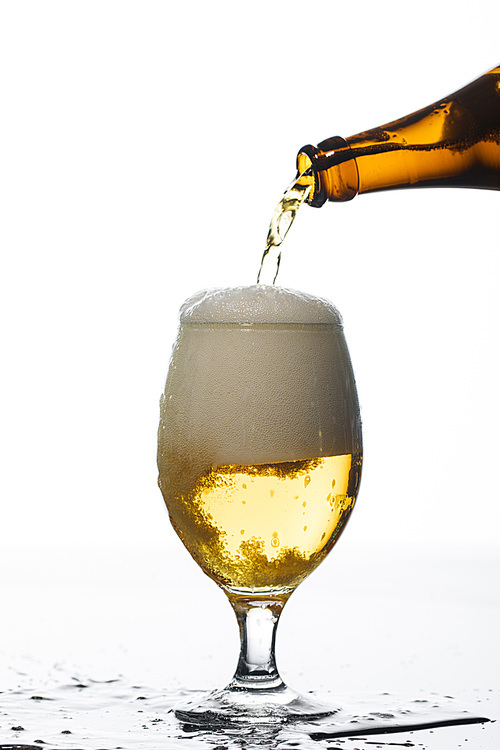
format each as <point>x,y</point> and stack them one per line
<point>70,712</point>
<point>95,657</point>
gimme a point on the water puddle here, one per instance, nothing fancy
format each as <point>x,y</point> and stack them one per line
<point>71,712</point>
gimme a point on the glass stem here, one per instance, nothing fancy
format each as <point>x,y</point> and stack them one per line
<point>257,620</point>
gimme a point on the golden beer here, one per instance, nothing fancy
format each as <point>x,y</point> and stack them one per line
<point>266,527</point>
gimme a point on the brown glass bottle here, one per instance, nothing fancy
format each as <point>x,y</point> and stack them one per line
<point>453,143</point>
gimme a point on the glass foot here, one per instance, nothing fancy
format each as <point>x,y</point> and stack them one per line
<point>234,705</point>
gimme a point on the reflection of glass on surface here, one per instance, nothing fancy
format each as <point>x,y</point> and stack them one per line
<point>69,711</point>
<point>259,461</point>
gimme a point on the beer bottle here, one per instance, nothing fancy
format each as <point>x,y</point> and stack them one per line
<point>452,143</point>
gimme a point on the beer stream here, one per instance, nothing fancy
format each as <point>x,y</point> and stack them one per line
<point>281,221</point>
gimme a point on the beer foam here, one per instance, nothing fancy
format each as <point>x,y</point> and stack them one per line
<point>258,304</point>
<point>258,375</point>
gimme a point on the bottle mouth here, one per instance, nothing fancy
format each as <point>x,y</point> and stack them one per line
<point>308,175</point>
<point>332,170</point>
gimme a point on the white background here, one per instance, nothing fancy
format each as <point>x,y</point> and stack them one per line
<point>144,146</point>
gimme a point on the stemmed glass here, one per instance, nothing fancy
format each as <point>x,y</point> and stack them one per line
<point>259,457</point>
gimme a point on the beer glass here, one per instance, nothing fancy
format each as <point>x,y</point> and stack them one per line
<point>259,456</point>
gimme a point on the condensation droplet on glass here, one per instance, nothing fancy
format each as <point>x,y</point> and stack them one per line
<point>307,480</point>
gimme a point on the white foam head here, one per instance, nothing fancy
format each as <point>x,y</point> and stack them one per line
<point>258,304</point>
<point>258,375</point>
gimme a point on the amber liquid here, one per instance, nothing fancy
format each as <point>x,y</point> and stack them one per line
<point>264,528</point>
<point>452,143</point>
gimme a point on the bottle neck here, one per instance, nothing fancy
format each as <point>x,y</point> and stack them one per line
<point>333,171</point>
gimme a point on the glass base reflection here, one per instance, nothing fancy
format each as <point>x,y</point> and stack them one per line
<point>235,705</point>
